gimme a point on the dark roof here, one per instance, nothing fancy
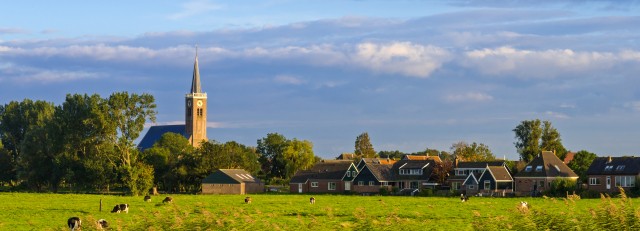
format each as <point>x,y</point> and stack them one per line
<point>473,176</point>
<point>631,166</point>
<point>346,156</point>
<point>552,166</point>
<point>325,169</point>
<point>500,173</point>
<point>155,132</point>
<point>388,172</point>
<point>230,176</point>
<point>195,82</point>
<point>479,164</point>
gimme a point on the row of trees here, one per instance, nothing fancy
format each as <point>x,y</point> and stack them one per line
<point>87,143</point>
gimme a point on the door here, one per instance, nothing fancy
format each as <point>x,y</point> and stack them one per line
<point>608,182</point>
<point>299,187</point>
<point>347,185</point>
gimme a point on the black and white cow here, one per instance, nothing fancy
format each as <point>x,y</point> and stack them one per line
<point>147,198</point>
<point>102,223</point>
<point>312,200</point>
<point>247,200</point>
<point>74,223</point>
<point>167,200</point>
<point>121,208</point>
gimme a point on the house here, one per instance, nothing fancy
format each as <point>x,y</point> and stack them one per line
<point>606,174</point>
<point>346,156</point>
<point>410,175</point>
<point>470,183</point>
<point>538,174</point>
<point>495,180</point>
<point>231,181</point>
<point>463,169</point>
<point>326,176</point>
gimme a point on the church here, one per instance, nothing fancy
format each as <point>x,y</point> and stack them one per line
<point>195,127</point>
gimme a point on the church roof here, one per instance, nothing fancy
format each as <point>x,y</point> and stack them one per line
<point>155,132</point>
<point>195,83</point>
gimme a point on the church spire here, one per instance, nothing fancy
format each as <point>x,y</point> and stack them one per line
<point>195,83</point>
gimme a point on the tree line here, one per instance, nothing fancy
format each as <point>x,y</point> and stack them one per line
<point>87,144</point>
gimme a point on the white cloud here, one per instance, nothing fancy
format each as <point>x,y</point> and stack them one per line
<point>544,63</point>
<point>194,7</point>
<point>401,58</point>
<point>635,105</point>
<point>469,97</point>
<point>289,79</point>
<point>19,74</point>
<point>557,115</point>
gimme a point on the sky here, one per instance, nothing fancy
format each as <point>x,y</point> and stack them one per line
<point>412,74</point>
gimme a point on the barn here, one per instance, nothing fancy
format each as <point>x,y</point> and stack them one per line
<point>231,181</point>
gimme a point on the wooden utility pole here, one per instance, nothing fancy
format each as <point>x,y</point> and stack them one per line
<point>100,205</point>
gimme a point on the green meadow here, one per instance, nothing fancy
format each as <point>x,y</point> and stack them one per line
<point>31,211</point>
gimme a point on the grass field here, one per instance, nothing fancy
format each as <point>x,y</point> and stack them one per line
<point>30,211</point>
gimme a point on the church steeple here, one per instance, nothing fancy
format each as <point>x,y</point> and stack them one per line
<point>196,109</point>
<point>195,82</point>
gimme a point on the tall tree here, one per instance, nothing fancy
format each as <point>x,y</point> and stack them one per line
<point>170,157</point>
<point>472,152</point>
<point>533,137</point>
<point>363,146</point>
<point>580,164</point>
<point>442,169</point>
<point>281,158</point>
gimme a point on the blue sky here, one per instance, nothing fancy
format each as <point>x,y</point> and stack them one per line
<point>413,74</point>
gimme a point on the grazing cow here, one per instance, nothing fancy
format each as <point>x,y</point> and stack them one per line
<point>121,208</point>
<point>102,223</point>
<point>147,198</point>
<point>247,200</point>
<point>74,223</point>
<point>463,198</point>
<point>524,205</point>
<point>312,200</point>
<point>167,200</point>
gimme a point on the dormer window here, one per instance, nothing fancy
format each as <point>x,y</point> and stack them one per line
<point>539,168</point>
<point>620,168</point>
<point>528,169</point>
<point>608,168</point>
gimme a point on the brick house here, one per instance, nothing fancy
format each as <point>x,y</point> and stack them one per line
<point>326,176</point>
<point>409,175</point>
<point>538,174</point>
<point>231,181</point>
<point>606,174</point>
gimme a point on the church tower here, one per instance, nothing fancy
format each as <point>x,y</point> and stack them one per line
<point>196,109</point>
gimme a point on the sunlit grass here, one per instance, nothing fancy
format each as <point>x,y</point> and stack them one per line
<point>27,211</point>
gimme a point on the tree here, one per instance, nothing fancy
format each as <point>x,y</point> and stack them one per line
<point>167,156</point>
<point>533,137</point>
<point>363,147</point>
<point>391,154</point>
<point>580,164</point>
<point>472,152</point>
<point>442,169</point>
<point>282,158</point>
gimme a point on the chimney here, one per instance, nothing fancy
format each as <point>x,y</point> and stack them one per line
<point>455,162</point>
<point>609,160</point>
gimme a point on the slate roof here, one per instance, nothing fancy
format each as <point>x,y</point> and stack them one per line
<point>388,172</point>
<point>500,173</point>
<point>325,169</point>
<point>478,164</point>
<point>631,166</point>
<point>346,156</point>
<point>230,176</point>
<point>155,132</point>
<point>552,166</point>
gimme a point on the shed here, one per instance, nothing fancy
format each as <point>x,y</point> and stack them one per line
<point>231,181</point>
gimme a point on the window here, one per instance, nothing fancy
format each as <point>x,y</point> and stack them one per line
<point>414,184</point>
<point>539,168</point>
<point>385,183</point>
<point>332,185</point>
<point>460,173</point>
<point>527,169</point>
<point>348,173</point>
<point>455,185</point>
<point>626,181</point>
<point>541,184</point>
<point>360,183</point>
<point>353,173</point>
<point>371,183</point>
<point>472,186</point>
<point>620,168</point>
<point>487,185</point>
<point>314,184</point>
<point>594,181</point>
<point>608,167</point>
<point>402,172</point>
